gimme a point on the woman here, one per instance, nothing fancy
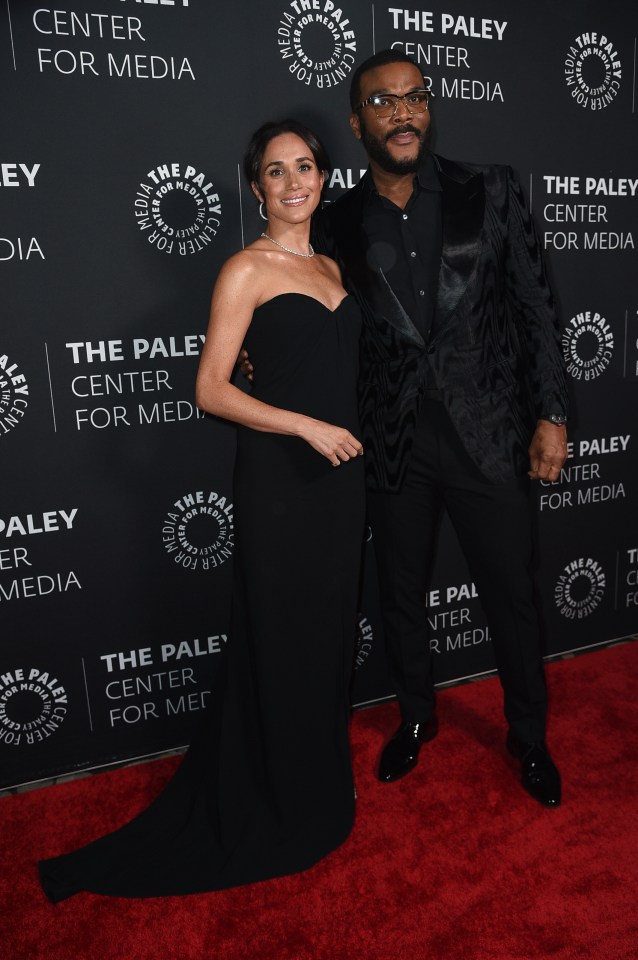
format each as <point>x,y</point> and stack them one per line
<point>266,787</point>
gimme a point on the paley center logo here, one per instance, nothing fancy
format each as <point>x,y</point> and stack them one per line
<point>198,530</point>
<point>14,394</point>
<point>580,588</point>
<point>588,345</point>
<point>364,641</point>
<point>316,42</point>
<point>178,209</point>
<point>33,704</point>
<point>593,71</point>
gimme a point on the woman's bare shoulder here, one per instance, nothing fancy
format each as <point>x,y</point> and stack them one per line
<point>245,269</point>
<point>244,263</point>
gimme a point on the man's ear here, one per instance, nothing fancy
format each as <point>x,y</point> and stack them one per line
<point>255,188</point>
<point>355,125</point>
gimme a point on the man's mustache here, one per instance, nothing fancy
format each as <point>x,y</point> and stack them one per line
<point>407,128</point>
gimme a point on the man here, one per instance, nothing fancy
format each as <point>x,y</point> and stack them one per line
<point>462,396</point>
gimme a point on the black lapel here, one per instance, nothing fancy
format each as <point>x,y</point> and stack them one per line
<point>463,207</point>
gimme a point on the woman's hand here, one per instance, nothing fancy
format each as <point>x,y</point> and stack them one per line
<point>333,443</point>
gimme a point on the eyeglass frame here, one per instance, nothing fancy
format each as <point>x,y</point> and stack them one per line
<point>396,97</point>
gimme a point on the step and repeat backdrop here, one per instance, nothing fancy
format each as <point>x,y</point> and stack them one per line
<point>123,127</point>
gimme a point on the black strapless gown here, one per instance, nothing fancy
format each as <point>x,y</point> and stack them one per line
<point>266,786</point>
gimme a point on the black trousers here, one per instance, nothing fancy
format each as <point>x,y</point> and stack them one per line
<point>493,525</point>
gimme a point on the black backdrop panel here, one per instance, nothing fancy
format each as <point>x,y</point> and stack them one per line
<point>123,126</point>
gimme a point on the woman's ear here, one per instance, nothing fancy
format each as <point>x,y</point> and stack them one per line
<point>257,191</point>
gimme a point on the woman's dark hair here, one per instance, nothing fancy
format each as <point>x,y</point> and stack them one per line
<point>268,131</point>
<point>380,59</point>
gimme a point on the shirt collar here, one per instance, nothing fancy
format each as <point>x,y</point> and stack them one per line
<point>426,178</point>
<point>427,174</point>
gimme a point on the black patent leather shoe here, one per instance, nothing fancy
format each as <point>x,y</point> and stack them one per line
<point>539,774</point>
<point>401,753</point>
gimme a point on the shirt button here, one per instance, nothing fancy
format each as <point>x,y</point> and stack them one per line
<point>413,254</point>
<point>421,293</point>
<point>405,216</point>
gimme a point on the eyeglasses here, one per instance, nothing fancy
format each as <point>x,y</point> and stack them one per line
<point>386,104</point>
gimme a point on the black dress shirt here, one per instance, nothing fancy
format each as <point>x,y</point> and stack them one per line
<point>406,243</point>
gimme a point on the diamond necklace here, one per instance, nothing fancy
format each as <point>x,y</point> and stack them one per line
<point>288,250</point>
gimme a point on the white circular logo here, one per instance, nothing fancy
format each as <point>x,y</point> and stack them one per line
<point>33,704</point>
<point>177,209</point>
<point>14,395</point>
<point>588,345</point>
<point>198,530</point>
<point>580,588</point>
<point>316,42</point>
<point>593,71</point>
<point>364,642</point>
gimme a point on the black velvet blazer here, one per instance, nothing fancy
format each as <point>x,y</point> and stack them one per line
<point>495,353</point>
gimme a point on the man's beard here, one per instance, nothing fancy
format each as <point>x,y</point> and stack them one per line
<point>378,151</point>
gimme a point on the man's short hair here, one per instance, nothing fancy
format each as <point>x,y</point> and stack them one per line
<point>379,59</point>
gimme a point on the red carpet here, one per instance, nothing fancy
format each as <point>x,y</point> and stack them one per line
<point>455,861</point>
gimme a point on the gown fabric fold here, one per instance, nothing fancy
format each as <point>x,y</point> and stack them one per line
<point>266,787</point>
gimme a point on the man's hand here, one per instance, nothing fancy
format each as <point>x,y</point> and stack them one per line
<point>244,364</point>
<point>547,451</point>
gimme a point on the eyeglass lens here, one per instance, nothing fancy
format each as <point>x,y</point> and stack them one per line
<point>387,105</point>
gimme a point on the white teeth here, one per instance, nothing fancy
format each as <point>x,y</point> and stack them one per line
<point>294,200</point>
